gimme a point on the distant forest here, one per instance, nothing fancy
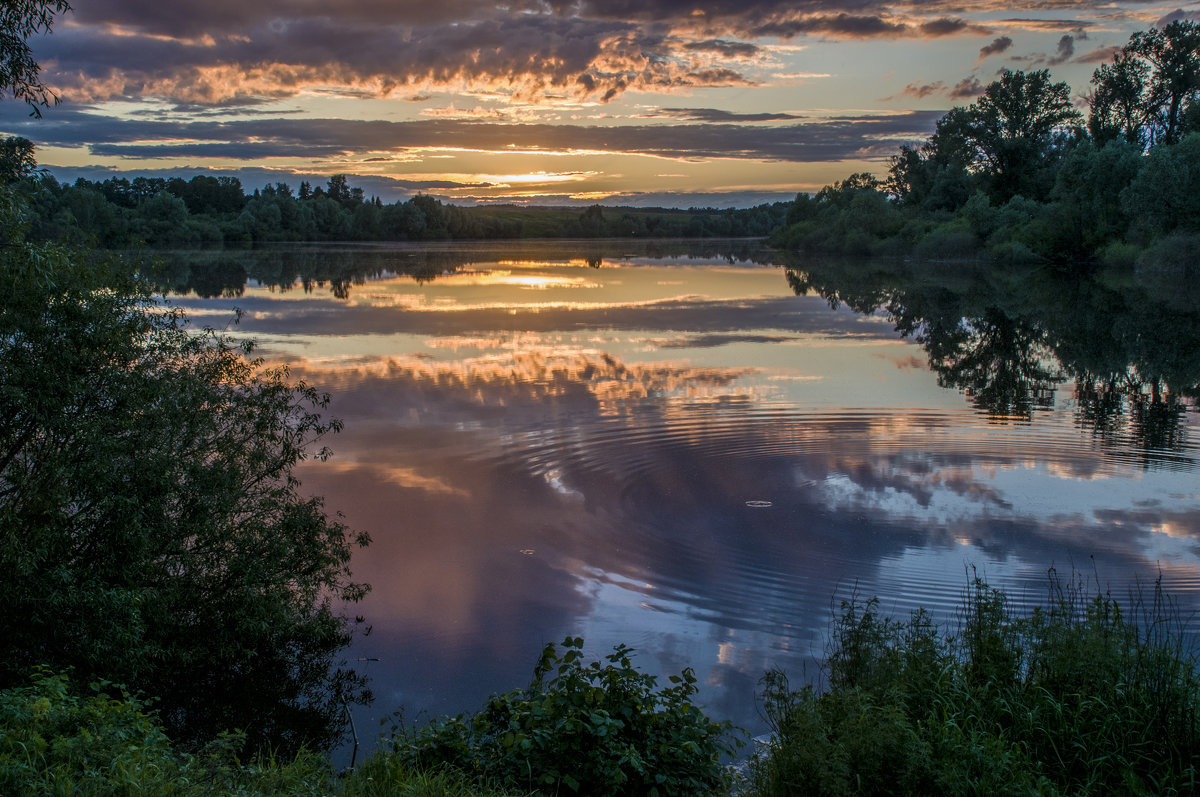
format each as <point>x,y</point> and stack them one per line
<point>1022,175</point>
<point>207,211</point>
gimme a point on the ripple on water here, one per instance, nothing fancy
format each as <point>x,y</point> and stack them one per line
<point>749,514</point>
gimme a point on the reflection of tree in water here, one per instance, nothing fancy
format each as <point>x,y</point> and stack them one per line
<point>315,268</point>
<point>999,363</point>
<point>1007,337</point>
<point>1151,415</point>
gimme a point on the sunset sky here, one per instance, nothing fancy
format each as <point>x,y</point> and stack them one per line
<point>710,102</point>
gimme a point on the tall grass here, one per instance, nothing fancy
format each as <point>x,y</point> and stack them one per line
<point>1081,696</point>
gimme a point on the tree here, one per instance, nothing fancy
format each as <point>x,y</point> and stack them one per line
<point>17,161</point>
<point>1118,102</point>
<point>19,72</point>
<point>1165,194</point>
<point>1147,92</point>
<point>1014,131</point>
<point>152,530</point>
<point>1173,54</point>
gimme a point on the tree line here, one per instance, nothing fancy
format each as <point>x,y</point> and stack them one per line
<point>1022,173</point>
<point>209,210</point>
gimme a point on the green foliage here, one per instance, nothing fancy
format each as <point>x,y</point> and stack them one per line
<point>1165,195</point>
<point>1015,177</point>
<point>1149,94</point>
<point>1013,133</point>
<point>55,741</point>
<point>594,729</point>
<point>16,159</point>
<point>20,74</point>
<point>383,775</point>
<point>1080,697</point>
<point>849,217</point>
<point>151,530</point>
<point>206,210</point>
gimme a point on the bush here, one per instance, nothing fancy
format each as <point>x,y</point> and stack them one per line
<point>152,532</point>
<point>596,729</point>
<point>55,741</point>
<point>1079,697</point>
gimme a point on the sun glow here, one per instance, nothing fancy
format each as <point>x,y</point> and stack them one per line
<point>533,178</point>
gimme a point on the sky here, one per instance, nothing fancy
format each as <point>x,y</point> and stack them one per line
<point>705,103</point>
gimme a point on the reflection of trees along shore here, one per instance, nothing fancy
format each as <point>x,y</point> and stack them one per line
<point>214,273</point>
<point>1008,337</point>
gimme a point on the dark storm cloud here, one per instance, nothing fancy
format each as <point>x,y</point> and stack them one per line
<point>828,140</point>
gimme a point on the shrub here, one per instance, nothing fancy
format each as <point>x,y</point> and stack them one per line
<point>1082,696</point>
<point>53,740</point>
<point>152,529</point>
<point>595,729</point>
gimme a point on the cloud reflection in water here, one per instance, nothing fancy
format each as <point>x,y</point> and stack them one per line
<point>595,469</point>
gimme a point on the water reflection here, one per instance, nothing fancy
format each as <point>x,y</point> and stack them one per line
<point>339,268</point>
<point>1007,338</point>
<point>682,454</point>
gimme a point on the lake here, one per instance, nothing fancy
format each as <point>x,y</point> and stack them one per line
<point>699,448</point>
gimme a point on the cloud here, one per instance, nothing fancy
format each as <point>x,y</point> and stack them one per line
<point>524,57</point>
<point>998,45</point>
<point>1066,50</point>
<point>947,26</point>
<point>214,52</point>
<point>1178,15</point>
<point>1098,56</point>
<point>451,112</point>
<point>728,49</point>
<point>967,89</point>
<point>1074,25</point>
<point>922,90</point>
<point>828,140</point>
<point>714,115</point>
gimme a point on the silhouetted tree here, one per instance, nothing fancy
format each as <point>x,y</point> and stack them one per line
<point>17,161</point>
<point>19,72</point>
<point>1146,94</point>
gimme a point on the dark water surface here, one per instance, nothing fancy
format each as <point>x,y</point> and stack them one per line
<point>697,450</point>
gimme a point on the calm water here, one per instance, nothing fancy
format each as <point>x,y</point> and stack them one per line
<point>697,450</point>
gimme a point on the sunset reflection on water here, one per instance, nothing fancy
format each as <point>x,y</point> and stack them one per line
<point>682,455</point>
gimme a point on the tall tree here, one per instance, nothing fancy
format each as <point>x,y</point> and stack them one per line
<point>1013,131</point>
<point>152,531</point>
<point>16,159</point>
<point>19,72</point>
<point>1146,93</point>
<point>1119,107</point>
